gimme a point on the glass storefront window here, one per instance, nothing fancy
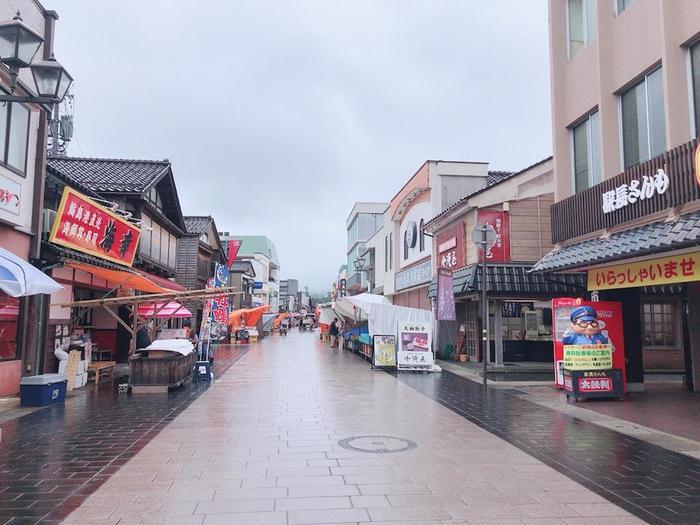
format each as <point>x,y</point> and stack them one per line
<point>660,326</point>
<point>9,327</point>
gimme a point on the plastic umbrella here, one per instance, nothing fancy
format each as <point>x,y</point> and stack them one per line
<point>19,278</point>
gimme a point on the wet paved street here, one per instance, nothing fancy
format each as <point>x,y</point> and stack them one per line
<point>296,433</point>
<point>262,446</point>
<point>53,458</point>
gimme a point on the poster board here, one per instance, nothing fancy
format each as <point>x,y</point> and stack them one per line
<point>415,347</point>
<point>384,351</point>
<point>600,351</point>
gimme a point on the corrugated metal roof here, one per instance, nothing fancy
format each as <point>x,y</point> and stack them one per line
<point>649,239</point>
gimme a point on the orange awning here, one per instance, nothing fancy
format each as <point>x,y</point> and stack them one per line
<point>125,278</point>
<point>249,316</point>
<point>278,320</point>
<point>255,314</point>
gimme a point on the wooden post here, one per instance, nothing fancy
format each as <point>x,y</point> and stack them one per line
<point>134,327</point>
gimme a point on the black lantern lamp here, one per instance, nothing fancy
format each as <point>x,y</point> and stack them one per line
<point>18,45</point>
<point>359,263</point>
<point>51,79</point>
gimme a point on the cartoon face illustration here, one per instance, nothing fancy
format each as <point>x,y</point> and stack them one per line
<point>584,320</point>
<point>585,327</point>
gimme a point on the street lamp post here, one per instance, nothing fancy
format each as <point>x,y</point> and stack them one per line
<point>484,236</point>
<point>18,47</point>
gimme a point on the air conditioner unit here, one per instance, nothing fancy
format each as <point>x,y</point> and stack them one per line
<point>49,218</point>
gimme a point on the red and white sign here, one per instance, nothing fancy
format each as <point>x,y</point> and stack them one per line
<point>500,221</point>
<point>83,225</point>
<point>450,247</point>
<point>598,384</point>
<point>10,195</point>
<point>233,247</point>
<point>608,322</point>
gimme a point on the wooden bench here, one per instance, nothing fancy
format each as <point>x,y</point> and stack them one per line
<point>98,370</point>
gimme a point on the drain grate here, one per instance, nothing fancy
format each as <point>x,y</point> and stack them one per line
<point>377,444</point>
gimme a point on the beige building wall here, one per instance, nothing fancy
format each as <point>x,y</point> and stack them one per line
<point>626,46</point>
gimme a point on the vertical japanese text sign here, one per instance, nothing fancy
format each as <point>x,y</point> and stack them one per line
<point>500,221</point>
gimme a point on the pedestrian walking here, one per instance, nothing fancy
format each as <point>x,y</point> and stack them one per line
<point>333,333</point>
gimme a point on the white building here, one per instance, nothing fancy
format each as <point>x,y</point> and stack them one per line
<point>363,222</point>
<point>261,252</point>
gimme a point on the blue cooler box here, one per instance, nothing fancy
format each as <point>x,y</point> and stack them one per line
<point>42,390</point>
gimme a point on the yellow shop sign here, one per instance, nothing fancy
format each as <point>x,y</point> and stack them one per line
<point>654,272</point>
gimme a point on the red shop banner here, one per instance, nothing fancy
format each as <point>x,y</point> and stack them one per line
<point>500,221</point>
<point>450,247</point>
<point>604,326</point>
<point>83,225</point>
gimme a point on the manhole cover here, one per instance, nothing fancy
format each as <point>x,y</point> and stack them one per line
<point>377,444</point>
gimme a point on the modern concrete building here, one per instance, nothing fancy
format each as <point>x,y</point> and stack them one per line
<point>363,222</point>
<point>433,188</point>
<point>289,288</point>
<point>625,115</point>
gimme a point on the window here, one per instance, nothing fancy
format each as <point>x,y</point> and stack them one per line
<point>421,236</point>
<point>621,5</point>
<point>695,78</point>
<point>14,134</point>
<point>660,326</point>
<point>643,126</point>
<point>386,253</point>
<point>172,258</point>
<point>9,327</point>
<point>581,19</point>
<point>391,251</point>
<point>586,149</point>
<point>405,244</point>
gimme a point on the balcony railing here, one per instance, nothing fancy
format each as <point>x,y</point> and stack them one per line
<point>582,213</point>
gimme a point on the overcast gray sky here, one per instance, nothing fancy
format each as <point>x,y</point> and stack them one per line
<point>279,115</point>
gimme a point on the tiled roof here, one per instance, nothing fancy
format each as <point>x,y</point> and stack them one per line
<point>197,224</point>
<point>109,175</point>
<point>511,279</point>
<point>242,267</point>
<point>62,253</point>
<point>644,240</point>
<point>493,178</point>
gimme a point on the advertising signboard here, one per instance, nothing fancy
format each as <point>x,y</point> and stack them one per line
<point>418,274</point>
<point>384,351</point>
<point>85,226</point>
<point>414,351</point>
<point>10,195</point>
<point>450,247</point>
<point>587,336</point>
<point>445,308</point>
<point>654,272</point>
<point>499,221</point>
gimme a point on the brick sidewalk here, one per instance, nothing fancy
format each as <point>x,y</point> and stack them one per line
<point>261,447</point>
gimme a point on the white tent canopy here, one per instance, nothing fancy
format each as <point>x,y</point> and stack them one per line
<point>19,278</point>
<point>383,317</point>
